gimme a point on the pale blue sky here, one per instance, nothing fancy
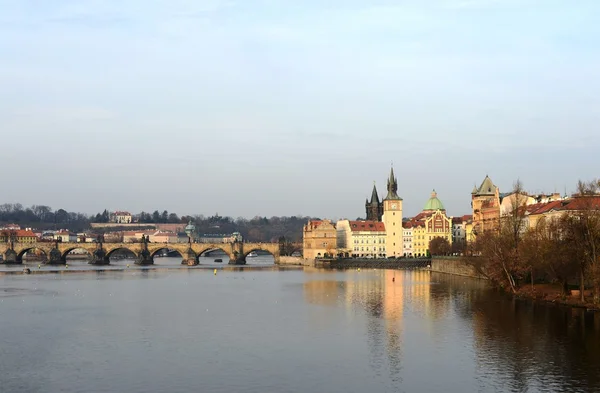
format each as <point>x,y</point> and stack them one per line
<point>266,107</point>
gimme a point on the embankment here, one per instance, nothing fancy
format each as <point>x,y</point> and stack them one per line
<point>295,261</point>
<point>455,265</point>
<point>404,263</point>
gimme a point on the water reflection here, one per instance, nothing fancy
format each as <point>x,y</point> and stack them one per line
<point>514,345</point>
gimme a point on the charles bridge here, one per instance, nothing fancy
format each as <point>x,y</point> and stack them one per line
<point>144,252</point>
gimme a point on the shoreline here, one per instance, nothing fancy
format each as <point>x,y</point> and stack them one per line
<point>552,294</point>
<point>20,269</point>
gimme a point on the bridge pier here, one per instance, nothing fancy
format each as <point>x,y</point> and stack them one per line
<point>237,254</point>
<point>55,257</point>
<point>189,258</point>
<point>11,257</point>
<point>99,257</point>
<point>145,258</point>
<point>237,261</point>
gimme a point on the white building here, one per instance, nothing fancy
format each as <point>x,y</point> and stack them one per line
<point>65,236</point>
<point>407,239</point>
<point>121,217</point>
<point>361,239</point>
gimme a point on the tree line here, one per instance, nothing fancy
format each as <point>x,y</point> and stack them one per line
<point>42,216</point>
<point>257,229</point>
<point>564,249</point>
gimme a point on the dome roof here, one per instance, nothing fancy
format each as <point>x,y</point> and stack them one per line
<point>434,203</point>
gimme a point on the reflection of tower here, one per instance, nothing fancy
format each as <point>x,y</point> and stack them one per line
<point>393,309</point>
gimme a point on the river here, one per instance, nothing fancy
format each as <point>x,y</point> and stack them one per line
<point>179,329</point>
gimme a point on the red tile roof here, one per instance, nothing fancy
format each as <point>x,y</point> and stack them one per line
<point>372,226</point>
<point>24,233</point>
<point>582,203</point>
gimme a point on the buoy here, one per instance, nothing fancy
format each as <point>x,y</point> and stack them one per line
<point>358,269</point>
<point>127,265</point>
<point>66,266</point>
<point>215,272</point>
<point>39,266</point>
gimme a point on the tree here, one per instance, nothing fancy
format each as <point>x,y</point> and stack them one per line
<point>164,217</point>
<point>501,248</point>
<point>581,231</point>
<point>62,217</point>
<point>439,246</point>
<point>173,218</point>
<point>156,216</point>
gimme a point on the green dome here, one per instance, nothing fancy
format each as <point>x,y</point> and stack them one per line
<point>434,203</point>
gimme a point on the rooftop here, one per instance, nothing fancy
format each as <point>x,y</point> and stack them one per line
<point>367,226</point>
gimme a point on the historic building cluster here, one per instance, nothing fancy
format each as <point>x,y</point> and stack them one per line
<point>386,233</point>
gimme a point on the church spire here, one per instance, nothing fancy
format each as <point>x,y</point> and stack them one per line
<point>374,196</point>
<point>392,187</point>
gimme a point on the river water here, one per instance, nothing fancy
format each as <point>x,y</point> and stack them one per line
<point>176,329</point>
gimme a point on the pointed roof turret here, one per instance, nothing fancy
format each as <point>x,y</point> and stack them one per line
<point>487,187</point>
<point>374,196</point>
<point>392,187</point>
<point>474,190</point>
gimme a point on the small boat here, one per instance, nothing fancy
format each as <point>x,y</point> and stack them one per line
<point>252,254</point>
<point>218,260</point>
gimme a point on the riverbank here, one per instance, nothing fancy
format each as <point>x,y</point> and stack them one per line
<point>547,293</point>
<point>553,293</point>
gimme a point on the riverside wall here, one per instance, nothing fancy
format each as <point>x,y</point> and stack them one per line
<point>404,263</point>
<point>455,265</point>
<point>295,261</point>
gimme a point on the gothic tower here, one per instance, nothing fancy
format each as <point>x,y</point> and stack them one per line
<point>374,207</point>
<point>392,218</point>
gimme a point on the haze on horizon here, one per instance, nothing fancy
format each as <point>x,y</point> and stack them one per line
<point>265,107</point>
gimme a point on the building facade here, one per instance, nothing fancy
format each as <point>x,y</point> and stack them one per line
<point>432,222</point>
<point>65,236</point>
<point>361,239</point>
<point>18,235</point>
<point>407,239</point>
<point>121,217</point>
<point>319,239</point>
<point>485,202</point>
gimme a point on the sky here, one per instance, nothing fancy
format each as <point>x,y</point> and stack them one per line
<point>273,107</point>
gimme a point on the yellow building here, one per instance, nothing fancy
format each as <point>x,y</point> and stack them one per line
<point>319,239</point>
<point>392,219</point>
<point>432,222</point>
<point>361,239</point>
<point>19,236</point>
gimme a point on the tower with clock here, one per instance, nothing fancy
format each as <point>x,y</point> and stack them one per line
<point>392,218</point>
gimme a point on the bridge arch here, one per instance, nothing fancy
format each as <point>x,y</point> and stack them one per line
<point>120,249</point>
<point>155,253</point>
<point>67,251</point>
<point>201,253</point>
<point>247,258</point>
<point>38,251</point>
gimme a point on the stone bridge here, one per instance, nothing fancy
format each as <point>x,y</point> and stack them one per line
<point>99,253</point>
